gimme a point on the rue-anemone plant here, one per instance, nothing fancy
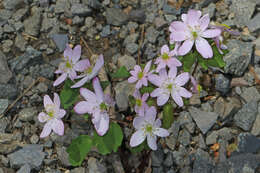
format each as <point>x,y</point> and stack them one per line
<point>158,85</point>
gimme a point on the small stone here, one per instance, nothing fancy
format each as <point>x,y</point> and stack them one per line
<point>157,157</point>
<point>12,5</point>
<point>132,48</point>
<point>89,22</point>
<point>105,31</point>
<point>29,154</point>
<point>116,16</point>
<point>61,6</point>
<point>94,166</point>
<point>248,143</point>
<point>222,84</point>
<point>42,87</point>
<point>173,138</point>
<point>204,120</point>
<point>168,161</point>
<point>212,138</point>
<point>63,156</point>
<point>256,127</point>
<point>77,20</point>
<point>80,10</point>
<point>246,122</point>
<point>8,29</point>
<point>211,9</point>
<point>61,40</point>
<point>27,114</point>
<point>184,137</point>
<point>159,22</point>
<point>137,15</point>
<point>93,3</point>
<point>25,169</point>
<point>123,90</point>
<point>8,91</point>
<point>20,42</point>
<point>254,23</point>
<point>7,45</point>
<point>78,170</point>
<point>219,106</point>
<point>132,38</point>
<point>206,107</point>
<point>168,9</point>
<point>238,58</point>
<point>127,61</point>
<point>152,34</point>
<point>202,144</point>
<point>5,73</point>
<point>20,14</point>
<point>32,25</point>
<point>250,94</point>
<point>195,99</point>
<point>34,139</point>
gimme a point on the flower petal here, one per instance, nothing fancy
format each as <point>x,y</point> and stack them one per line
<point>161,65</point>
<point>150,114</point>
<point>60,79</point>
<point>60,114</point>
<point>179,35</point>
<point>58,127</point>
<point>67,52</point>
<point>147,66</point>
<point>184,18</point>
<point>132,79</point>
<point>145,97</point>
<point>163,74</point>
<point>157,123</point>
<point>138,122</point>
<point>161,132</point>
<point>81,82</point>
<point>204,22</point>
<point>177,98</point>
<point>56,100</point>
<point>178,26</point>
<point>81,65</point>
<point>172,72</point>
<point>43,117</point>
<point>162,99</point>
<point>165,49</point>
<point>47,101</point>
<point>185,47</point>
<point>137,138</point>
<point>87,94</point>
<point>76,53</point>
<point>151,141</point>
<point>98,90</point>
<point>156,92</point>
<point>155,79</point>
<point>83,107</point>
<point>211,33</point>
<point>184,93</point>
<point>102,125</point>
<point>137,94</point>
<point>109,100</point>
<point>139,84</point>
<point>193,17</point>
<point>72,74</point>
<point>173,62</point>
<point>203,47</point>
<point>99,64</point>
<point>46,129</point>
<point>182,79</point>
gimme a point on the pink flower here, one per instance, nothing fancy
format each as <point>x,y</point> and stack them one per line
<point>52,116</point>
<point>140,102</point>
<point>194,29</point>
<point>70,65</point>
<point>147,127</point>
<point>167,58</point>
<point>194,87</point>
<point>90,72</point>
<point>140,76</point>
<point>170,85</point>
<point>96,104</point>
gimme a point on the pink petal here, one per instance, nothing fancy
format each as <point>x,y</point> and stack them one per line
<point>133,73</point>
<point>178,26</point>
<point>172,72</point>
<point>98,90</point>
<point>137,68</point>
<point>145,97</point>
<point>157,123</point>
<point>138,122</point>
<point>177,98</point>
<point>173,62</point>
<point>87,94</point>
<point>141,111</point>
<point>211,33</point>
<point>150,114</point>
<point>179,36</point>
<point>163,74</point>
<point>162,99</point>
<point>83,107</point>
<point>184,18</point>
<point>81,82</point>
<point>193,17</point>
<point>99,64</point>
<point>182,79</point>
<point>155,79</point>
<point>60,114</point>
<point>47,101</point>
<point>43,117</point>
<point>109,100</point>
<point>58,71</point>
<point>132,79</point>
<point>165,49</point>
<point>46,129</point>
<point>60,79</point>
<point>151,140</point>
<point>156,92</point>
<point>147,66</point>
<point>137,94</point>
<point>56,100</point>
<point>203,47</point>
<point>139,84</point>
<point>81,65</point>
<point>161,65</point>
<point>204,22</point>
<point>67,52</point>
<point>161,132</point>
<point>76,53</point>
<point>102,125</point>
<point>185,47</point>
<point>72,75</point>
<point>58,127</point>
<point>184,93</point>
<point>137,138</point>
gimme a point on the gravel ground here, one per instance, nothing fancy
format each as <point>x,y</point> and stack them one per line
<point>219,132</point>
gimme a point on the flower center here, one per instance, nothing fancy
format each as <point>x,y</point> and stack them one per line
<point>149,128</point>
<point>51,114</point>
<point>103,106</point>
<point>89,70</point>
<point>165,56</point>
<point>169,87</point>
<point>68,64</point>
<point>194,34</point>
<point>140,75</point>
<point>138,102</point>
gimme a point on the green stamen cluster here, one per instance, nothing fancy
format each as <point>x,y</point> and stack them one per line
<point>149,128</point>
<point>138,102</point>
<point>194,34</point>
<point>103,106</point>
<point>68,64</point>
<point>140,75</point>
<point>165,56</point>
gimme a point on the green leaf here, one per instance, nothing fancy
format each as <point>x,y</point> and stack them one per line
<point>202,62</point>
<point>187,61</point>
<point>78,149</point>
<point>147,89</point>
<point>120,73</point>
<point>139,148</point>
<point>131,100</point>
<point>68,96</point>
<point>110,141</point>
<point>103,84</point>
<point>86,116</point>
<point>167,116</point>
<point>151,102</point>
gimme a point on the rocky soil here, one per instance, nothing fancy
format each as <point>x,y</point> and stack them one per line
<point>219,132</point>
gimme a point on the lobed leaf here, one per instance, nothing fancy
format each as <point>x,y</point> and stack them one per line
<point>120,73</point>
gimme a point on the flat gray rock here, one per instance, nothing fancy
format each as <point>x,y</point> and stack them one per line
<point>61,40</point>
<point>246,116</point>
<point>248,143</point>
<point>254,24</point>
<point>3,105</point>
<point>116,16</point>
<point>204,120</point>
<point>5,73</point>
<point>32,25</point>
<point>251,94</point>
